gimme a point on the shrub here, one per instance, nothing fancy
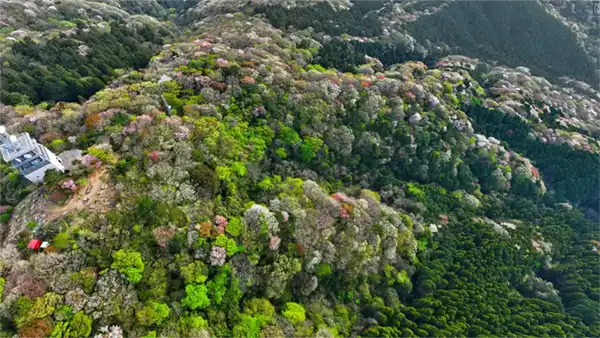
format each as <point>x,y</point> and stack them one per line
<point>2,282</point>
<point>323,270</point>
<point>61,241</point>
<point>58,145</point>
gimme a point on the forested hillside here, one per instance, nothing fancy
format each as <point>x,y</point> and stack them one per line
<point>77,72</point>
<point>68,51</point>
<point>293,170</point>
<point>514,34</point>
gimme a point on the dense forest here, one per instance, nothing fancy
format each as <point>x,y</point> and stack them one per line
<point>249,184</point>
<point>346,56</point>
<point>516,33</point>
<point>61,70</point>
<point>570,173</point>
<point>358,20</point>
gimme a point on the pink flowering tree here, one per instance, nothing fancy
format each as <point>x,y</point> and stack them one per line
<point>248,80</point>
<point>221,223</point>
<point>163,235</point>
<point>222,63</point>
<point>153,155</point>
<point>91,161</point>
<point>69,185</point>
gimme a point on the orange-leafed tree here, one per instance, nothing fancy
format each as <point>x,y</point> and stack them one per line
<point>39,328</point>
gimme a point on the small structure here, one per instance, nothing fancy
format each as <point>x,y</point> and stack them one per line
<point>67,157</point>
<point>29,157</point>
<point>34,244</point>
<point>166,105</point>
<point>45,245</point>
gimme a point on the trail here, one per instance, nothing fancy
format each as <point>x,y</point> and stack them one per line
<point>92,192</point>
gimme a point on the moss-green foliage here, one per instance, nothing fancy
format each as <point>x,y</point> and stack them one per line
<point>258,312</point>
<point>60,329</point>
<point>61,240</point>
<point>228,243</point>
<point>188,325</point>
<point>58,145</point>
<point>323,270</point>
<point>150,334</point>
<point>294,312</point>
<point>195,272</point>
<point>234,227</point>
<point>2,282</point>
<point>153,313</point>
<point>103,155</point>
<point>259,306</point>
<point>27,310</point>
<point>196,296</point>
<point>415,192</point>
<point>218,285</point>
<point>129,263</point>
<point>64,312</point>
<point>249,326</point>
<point>309,148</point>
<point>80,326</point>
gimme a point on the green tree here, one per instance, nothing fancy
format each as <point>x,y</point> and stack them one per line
<point>61,240</point>
<point>150,334</point>
<point>294,312</point>
<point>196,296</point>
<point>152,313</point>
<point>80,326</point>
<point>195,272</point>
<point>309,148</point>
<point>2,282</point>
<point>129,263</point>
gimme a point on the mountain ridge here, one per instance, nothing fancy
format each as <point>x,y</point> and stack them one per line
<point>278,197</point>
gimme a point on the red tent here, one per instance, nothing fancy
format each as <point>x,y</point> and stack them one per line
<point>34,244</point>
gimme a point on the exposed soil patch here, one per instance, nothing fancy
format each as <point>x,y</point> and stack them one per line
<point>95,195</point>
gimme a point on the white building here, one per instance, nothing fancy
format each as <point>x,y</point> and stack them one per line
<point>29,157</point>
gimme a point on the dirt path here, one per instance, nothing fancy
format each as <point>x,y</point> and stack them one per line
<point>86,196</point>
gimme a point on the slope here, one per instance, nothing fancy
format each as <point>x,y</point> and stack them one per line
<point>284,199</point>
<point>512,33</point>
<point>68,50</point>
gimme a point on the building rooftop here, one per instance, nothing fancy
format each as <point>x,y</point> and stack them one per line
<point>14,146</point>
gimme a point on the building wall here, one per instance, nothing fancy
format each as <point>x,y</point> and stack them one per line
<point>38,175</point>
<point>42,155</point>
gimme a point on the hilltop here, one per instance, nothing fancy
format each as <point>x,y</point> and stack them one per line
<point>309,178</point>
